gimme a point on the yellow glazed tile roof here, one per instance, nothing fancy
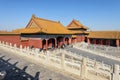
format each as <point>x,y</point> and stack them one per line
<point>77,31</point>
<point>28,30</point>
<point>77,25</point>
<point>8,33</point>
<point>46,26</point>
<point>104,34</point>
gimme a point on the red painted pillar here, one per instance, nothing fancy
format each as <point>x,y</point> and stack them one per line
<point>46,44</point>
<point>101,42</point>
<point>72,40</point>
<point>61,41</point>
<point>108,42</point>
<point>64,40</point>
<point>83,38</point>
<point>75,40</point>
<point>80,40</point>
<point>69,40</point>
<point>88,40</point>
<point>55,42</point>
<point>94,41</point>
<point>117,42</point>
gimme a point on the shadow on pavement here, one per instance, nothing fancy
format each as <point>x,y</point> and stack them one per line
<point>15,73</point>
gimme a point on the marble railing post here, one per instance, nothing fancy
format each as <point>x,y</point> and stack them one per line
<point>115,74</point>
<point>24,47</point>
<point>84,69</point>
<point>28,48</point>
<point>15,45</point>
<point>96,66</point>
<point>117,43</point>
<point>2,43</point>
<point>7,43</point>
<point>20,48</point>
<point>10,44</point>
<point>88,41</point>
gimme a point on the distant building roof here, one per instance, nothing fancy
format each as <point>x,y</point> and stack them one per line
<point>104,34</point>
<point>75,24</point>
<point>79,32</point>
<point>28,30</point>
<point>8,33</point>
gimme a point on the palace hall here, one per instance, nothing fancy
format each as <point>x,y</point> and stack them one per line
<point>45,34</point>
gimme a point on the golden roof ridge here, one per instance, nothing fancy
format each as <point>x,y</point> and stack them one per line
<point>46,19</point>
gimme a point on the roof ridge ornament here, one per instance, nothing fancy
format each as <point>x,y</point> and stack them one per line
<point>33,16</point>
<point>58,21</point>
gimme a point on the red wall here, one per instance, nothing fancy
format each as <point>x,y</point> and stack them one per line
<point>73,40</point>
<point>24,43</point>
<point>32,42</point>
<point>37,43</point>
<point>80,38</point>
<point>14,39</point>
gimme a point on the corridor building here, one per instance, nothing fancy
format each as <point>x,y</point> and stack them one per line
<point>108,38</point>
